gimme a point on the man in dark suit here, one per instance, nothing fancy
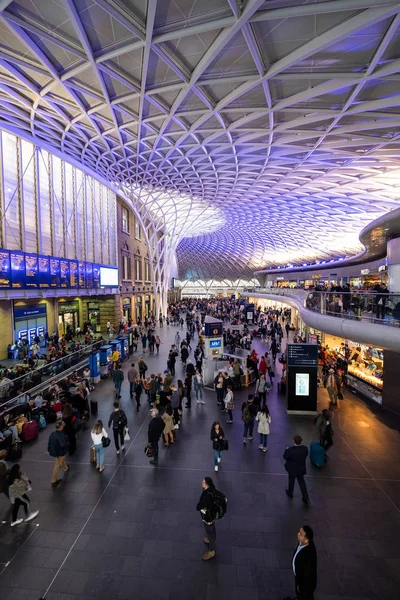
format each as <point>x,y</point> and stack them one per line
<point>295,465</point>
<point>304,564</point>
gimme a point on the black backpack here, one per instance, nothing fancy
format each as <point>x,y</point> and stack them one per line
<point>220,504</point>
<point>121,420</point>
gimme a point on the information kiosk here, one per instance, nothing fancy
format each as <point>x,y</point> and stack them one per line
<point>302,371</point>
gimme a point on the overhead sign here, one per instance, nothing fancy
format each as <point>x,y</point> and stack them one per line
<point>302,355</point>
<point>215,343</point>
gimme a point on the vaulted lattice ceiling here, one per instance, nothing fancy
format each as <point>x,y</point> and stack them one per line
<point>282,114</point>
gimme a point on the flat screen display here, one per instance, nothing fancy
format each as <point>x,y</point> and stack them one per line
<point>31,270</point>
<point>302,384</point>
<point>64,273</point>
<point>302,355</point>
<point>54,272</point>
<point>44,271</point>
<point>108,277</point>
<point>73,274</point>
<point>96,276</point>
<point>82,274</point>
<point>5,279</point>
<point>17,270</point>
<point>89,275</point>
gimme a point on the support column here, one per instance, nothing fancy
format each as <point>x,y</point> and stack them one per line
<point>393,257</point>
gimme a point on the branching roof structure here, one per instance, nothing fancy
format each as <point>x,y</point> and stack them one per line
<point>282,116</point>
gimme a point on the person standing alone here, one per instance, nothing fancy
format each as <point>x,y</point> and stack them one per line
<point>206,508</point>
<point>295,465</point>
<point>132,374</point>
<point>57,448</point>
<point>156,427</point>
<point>304,564</point>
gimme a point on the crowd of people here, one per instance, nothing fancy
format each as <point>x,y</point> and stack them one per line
<point>167,396</point>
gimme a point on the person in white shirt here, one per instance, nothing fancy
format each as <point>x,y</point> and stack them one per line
<point>98,433</point>
<point>198,387</point>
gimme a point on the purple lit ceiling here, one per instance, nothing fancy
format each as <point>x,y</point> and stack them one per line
<point>284,116</point>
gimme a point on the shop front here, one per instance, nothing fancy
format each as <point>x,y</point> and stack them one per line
<point>30,321</point>
<point>94,316</point>
<point>127,309</point>
<point>68,316</point>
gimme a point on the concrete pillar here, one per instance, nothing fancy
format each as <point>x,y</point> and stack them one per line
<point>393,257</point>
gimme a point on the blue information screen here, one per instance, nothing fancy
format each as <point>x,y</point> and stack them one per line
<point>54,272</point>
<point>215,344</point>
<point>44,271</point>
<point>73,274</point>
<point>17,270</point>
<point>31,270</point>
<point>5,273</point>
<point>89,275</point>
<point>82,274</point>
<point>64,273</point>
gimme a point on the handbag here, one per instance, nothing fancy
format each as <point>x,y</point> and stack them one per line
<point>149,451</point>
<point>127,437</point>
<point>105,441</point>
<point>340,396</point>
<point>225,445</point>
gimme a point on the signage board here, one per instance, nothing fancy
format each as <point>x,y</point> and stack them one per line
<point>54,272</point>
<point>82,274</point>
<point>96,276</point>
<point>313,338</point>
<point>44,271</point>
<point>302,355</point>
<point>64,273</point>
<point>31,270</point>
<point>27,312</point>
<point>89,275</point>
<point>5,272</point>
<point>215,344</point>
<point>73,274</point>
<point>213,329</point>
<point>17,270</point>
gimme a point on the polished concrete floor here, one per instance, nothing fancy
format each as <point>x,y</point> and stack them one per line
<point>133,531</point>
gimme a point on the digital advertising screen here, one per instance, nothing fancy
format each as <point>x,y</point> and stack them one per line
<point>5,273</point>
<point>73,274</point>
<point>302,355</point>
<point>89,275</point>
<point>44,271</point>
<point>64,273</point>
<point>82,274</point>
<point>302,384</point>
<point>17,270</point>
<point>96,276</point>
<point>31,270</point>
<point>108,277</point>
<point>54,272</point>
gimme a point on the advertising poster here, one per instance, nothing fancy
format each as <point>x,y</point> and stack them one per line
<point>5,279</point>
<point>73,274</point>
<point>89,275</point>
<point>31,270</point>
<point>64,273</point>
<point>82,274</point>
<point>44,271</point>
<point>54,272</point>
<point>302,384</point>
<point>17,270</point>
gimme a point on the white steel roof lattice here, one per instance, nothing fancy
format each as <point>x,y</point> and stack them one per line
<point>281,116</point>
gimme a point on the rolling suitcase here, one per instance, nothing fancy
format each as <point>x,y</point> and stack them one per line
<point>93,407</point>
<point>15,451</point>
<point>92,455</point>
<point>30,431</point>
<point>317,454</point>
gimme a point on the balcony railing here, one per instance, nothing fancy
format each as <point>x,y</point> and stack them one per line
<point>372,307</point>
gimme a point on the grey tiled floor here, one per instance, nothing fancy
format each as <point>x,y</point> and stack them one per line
<point>133,532</point>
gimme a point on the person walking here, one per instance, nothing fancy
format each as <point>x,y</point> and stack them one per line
<point>154,432</point>
<point>158,341</point>
<point>168,433</point>
<point>57,448</point>
<point>324,427</point>
<point>264,420</point>
<point>144,343</point>
<point>175,405</point>
<point>142,368</point>
<point>304,564</point>
<point>229,404</point>
<point>137,390</point>
<point>217,438</point>
<point>184,354</point>
<point>249,413</point>
<point>99,434</point>
<point>118,377</point>
<point>198,384</point>
<point>188,390</point>
<point>219,388</point>
<point>18,486</point>
<point>3,473</point>
<point>119,422</point>
<point>153,390</point>
<point>236,369</point>
<point>331,386</point>
<point>132,374</point>
<point>287,327</point>
<point>261,389</point>
<point>295,464</point>
<point>206,506</point>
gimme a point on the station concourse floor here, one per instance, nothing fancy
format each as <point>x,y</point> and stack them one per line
<point>133,531</point>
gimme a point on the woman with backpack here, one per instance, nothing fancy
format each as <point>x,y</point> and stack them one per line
<point>18,486</point>
<point>217,438</point>
<point>98,435</point>
<point>142,367</point>
<point>119,422</point>
<point>264,420</point>
<point>261,388</point>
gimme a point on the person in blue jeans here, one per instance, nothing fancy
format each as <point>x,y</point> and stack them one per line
<point>217,438</point>
<point>249,412</point>
<point>264,419</point>
<point>98,433</point>
<point>118,377</point>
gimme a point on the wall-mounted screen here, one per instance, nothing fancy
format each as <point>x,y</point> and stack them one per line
<point>108,277</point>
<point>31,270</point>
<point>5,275</point>
<point>89,275</point>
<point>73,274</point>
<point>302,384</point>
<point>17,270</point>
<point>44,271</point>
<point>54,272</point>
<point>64,273</point>
<point>82,274</point>
<point>96,276</point>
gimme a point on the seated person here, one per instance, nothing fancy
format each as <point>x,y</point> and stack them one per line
<point>8,431</point>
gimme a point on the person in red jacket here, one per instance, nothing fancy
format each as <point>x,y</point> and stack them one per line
<point>262,367</point>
